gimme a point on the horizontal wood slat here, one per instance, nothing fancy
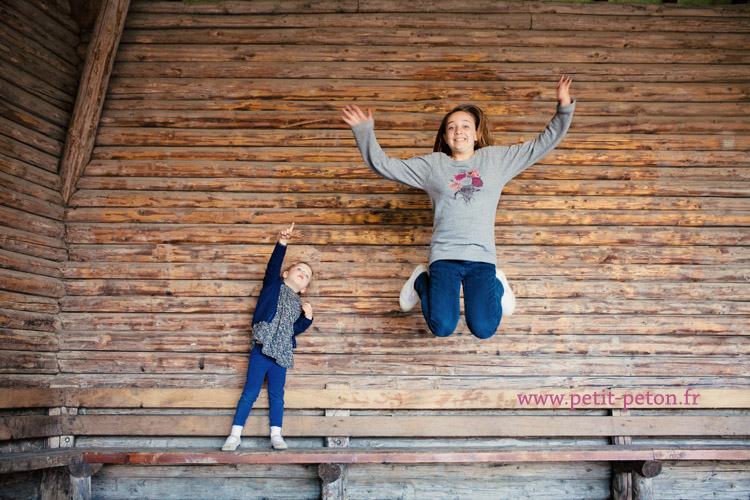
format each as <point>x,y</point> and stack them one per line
<point>611,42</point>
<point>540,254</point>
<point>420,426</point>
<point>187,49</point>
<point>409,235</point>
<point>251,87</point>
<point>71,456</point>
<point>542,324</point>
<point>357,267</point>
<point>351,6</point>
<point>416,456</point>
<point>599,157</point>
<point>435,71</point>
<point>663,305</point>
<point>514,112</point>
<point>45,459</point>
<point>516,21</point>
<point>404,345</point>
<point>543,187</point>
<point>421,217</point>
<point>131,136</point>
<point>405,399</point>
<point>449,364</point>
<point>174,117</point>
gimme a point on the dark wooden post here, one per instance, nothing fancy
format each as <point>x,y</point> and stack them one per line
<point>80,480</point>
<point>56,483</point>
<point>333,476</point>
<point>622,488</point>
<point>332,481</point>
<point>100,56</point>
<point>642,474</point>
<point>643,488</point>
<point>644,468</point>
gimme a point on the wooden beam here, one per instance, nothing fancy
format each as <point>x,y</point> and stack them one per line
<point>395,399</point>
<point>406,456</point>
<point>27,461</point>
<point>30,427</point>
<point>407,426</point>
<point>24,461</point>
<point>645,468</point>
<point>92,90</point>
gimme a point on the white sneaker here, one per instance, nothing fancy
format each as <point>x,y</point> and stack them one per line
<point>231,444</point>
<point>409,297</point>
<point>508,301</point>
<point>278,443</point>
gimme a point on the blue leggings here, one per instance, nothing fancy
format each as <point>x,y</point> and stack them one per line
<point>440,295</point>
<point>261,365</point>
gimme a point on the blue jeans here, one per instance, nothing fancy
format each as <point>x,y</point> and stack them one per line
<point>440,295</point>
<point>261,365</point>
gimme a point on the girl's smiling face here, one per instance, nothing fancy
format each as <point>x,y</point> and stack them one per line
<point>461,135</point>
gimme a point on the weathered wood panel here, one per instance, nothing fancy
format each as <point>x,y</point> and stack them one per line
<point>100,400</point>
<point>39,67</point>
<point>195,482</point>
<point>627,247</point>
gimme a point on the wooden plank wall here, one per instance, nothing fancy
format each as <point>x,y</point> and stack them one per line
<point>39,71</point>
<point>626,247</point>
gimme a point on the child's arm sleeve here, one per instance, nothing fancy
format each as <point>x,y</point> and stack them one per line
<point>412,172</point>
<point>520,157</point>
<point>301,324</point>
<point>273,269</point>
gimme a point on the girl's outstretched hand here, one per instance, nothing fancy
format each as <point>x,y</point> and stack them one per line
<point>354,116</point>
<point>286,234</point>
<point>563,90</point>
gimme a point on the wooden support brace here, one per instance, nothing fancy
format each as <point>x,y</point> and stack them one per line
<point>643,488</point>
<point>330,473</point>
<point>80,480</point>
<point>622,486</point>
<point>77,481</point>
<point>644,468</point>
<point>83,471</point>
<point>79,142</point>
<point>333,476</point>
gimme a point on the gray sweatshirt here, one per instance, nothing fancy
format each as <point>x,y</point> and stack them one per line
<point>464,194</point>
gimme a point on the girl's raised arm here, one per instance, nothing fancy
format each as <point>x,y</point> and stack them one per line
<point>352,115</point>
<point>563,90</point>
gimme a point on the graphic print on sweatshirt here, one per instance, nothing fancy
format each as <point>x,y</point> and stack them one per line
<point>466,184</point>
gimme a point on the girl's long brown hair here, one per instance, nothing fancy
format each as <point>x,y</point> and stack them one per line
<point>484,134</point>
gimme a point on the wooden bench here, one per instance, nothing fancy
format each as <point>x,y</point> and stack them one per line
<point>454,414</point>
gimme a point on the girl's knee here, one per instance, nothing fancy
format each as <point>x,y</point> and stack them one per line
<point>484,329</point>
<point>276,398</point>
<point>482,334</point>
<point>442,328</point>
<point>248,399</point>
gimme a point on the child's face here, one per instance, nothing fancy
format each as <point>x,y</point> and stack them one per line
<point>297,277</point>
<point>460,132</point>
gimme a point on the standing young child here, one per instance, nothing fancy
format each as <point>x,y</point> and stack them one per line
<point>464,177</point>
<point>280,315</point>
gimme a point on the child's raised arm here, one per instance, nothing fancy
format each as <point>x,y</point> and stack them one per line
<point>354,116</point>
<point>286,234</point>
<point>563,90</point>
